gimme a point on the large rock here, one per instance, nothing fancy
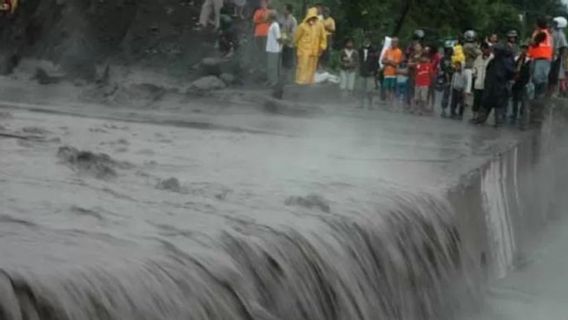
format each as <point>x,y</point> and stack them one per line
<point>145,91</point>
<point>211,62</point>
<point>207,83</point>
<point>228,78</point>
<point>212,66</point>
<point>44,78</point>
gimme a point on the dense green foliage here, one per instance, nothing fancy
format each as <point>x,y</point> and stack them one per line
<point>440,18</point>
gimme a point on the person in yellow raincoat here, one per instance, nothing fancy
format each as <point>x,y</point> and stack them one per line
<point>311,41</point>
<point>459,55</point>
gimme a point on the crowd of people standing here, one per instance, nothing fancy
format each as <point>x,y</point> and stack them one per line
<point>282,44</point>
<point>507,78</point>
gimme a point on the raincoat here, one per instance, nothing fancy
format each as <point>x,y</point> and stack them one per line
<point>311,41</point>
<point>459,55</point>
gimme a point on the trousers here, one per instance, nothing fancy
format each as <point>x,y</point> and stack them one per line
<point>211,7</point>
<point>273,67</point>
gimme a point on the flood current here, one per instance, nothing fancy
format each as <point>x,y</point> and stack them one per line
<point>384,251</point>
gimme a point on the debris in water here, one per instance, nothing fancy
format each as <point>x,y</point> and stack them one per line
<point>36,130</point>
<point>222,195</point>
<point>171,184</point>
<point>312,201</point>
<point>99,165</point>
<point>97,130</point>
<point>5,218</point>
<point>115,127</point>
<point>19,136</point>
<point>86,212</point>
<point>123,142</point>
<point>119,142</point>
<point>28,134</point>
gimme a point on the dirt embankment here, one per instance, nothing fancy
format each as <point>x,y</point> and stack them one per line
<point>79,35</point>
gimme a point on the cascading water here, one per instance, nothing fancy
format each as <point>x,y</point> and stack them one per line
<point>400,262</point>
<point>378,251</point>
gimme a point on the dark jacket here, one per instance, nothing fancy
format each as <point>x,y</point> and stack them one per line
<point>370,66</point>
<point>349,64</point>
<point>499,72</point>
<point>523,72</point>
<point>446,68</point>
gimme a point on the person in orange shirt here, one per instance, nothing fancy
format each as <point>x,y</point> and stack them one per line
<point>541,51</point>
<point>261,26</point>
<point>392,58</point>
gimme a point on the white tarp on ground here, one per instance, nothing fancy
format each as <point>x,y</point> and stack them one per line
<point>322,77</point>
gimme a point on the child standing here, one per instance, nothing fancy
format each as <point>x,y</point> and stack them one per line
<point>459,82</point>
<point>479,70</point>
<point>368,67</point>
<point>402,82</point>
<point>349,63</point>
<point>522,78</point>
<point>445,79</point>
<point>423,81</point>
<point>392,58</point>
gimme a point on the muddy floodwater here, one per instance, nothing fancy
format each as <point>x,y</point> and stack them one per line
<point>348,215</point>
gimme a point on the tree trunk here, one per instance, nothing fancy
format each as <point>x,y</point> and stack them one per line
<point>405,9</point>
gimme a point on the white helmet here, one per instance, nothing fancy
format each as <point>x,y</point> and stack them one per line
<point>448,44</point>
<point>419,34</point>
<point>560,22</point>
<point>469,36</point>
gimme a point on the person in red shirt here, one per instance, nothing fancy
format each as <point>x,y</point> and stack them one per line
<point>436,58</point>
<point>261,26</point>
<point>423,81</point>
<point>8,6</point>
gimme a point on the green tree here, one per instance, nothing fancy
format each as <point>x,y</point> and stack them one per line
<point>444,18</point>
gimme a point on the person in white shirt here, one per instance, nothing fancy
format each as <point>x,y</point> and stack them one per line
<point>479,70</point>
<point>273,49</point>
